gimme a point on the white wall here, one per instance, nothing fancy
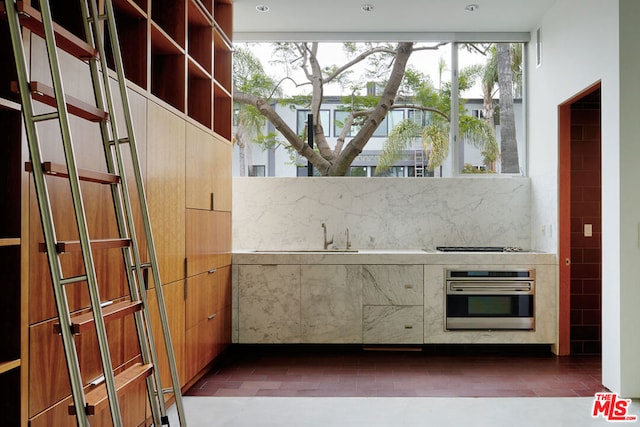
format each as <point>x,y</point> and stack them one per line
<point>581,45</point>
<point>626,271</point>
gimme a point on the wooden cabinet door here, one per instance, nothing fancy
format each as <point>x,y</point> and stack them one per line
<point>166,189</point>
<point>208,171</point>
<point>174,302</point>
<point>199,169</point>
<point>208,243</point>
<point>208,328</point>
<point>221,168</point>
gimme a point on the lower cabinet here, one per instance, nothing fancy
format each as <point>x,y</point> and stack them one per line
<point>174,303</point>
<point>331,304</point>
<point>207,318</point>
<point>269,304</point>
<point>392,324</point>
<point>393,297</point>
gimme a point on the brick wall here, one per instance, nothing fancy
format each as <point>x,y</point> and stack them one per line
<point>586,252</point>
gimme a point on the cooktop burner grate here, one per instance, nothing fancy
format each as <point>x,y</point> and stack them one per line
<point>478,249</point>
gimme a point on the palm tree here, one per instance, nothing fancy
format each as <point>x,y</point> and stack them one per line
<point>504,67</point>
<point>249,74</point>
<point>434,133</point>
<point>508,142</point>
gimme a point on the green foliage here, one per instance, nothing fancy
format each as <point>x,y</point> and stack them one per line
<point>481,135</point>
<point>435,138</point>
<point>399,139</point>
<point>469,168</point>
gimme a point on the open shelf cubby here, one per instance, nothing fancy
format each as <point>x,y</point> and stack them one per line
<point>169,15</point>
<point>167,68</point>
<point>131,22</point>
<point>222,110</point>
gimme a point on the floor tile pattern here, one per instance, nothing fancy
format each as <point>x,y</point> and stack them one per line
<point>321,371</point>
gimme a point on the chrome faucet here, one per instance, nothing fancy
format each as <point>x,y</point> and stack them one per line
<point>348,239</point>
<point>326,242</point>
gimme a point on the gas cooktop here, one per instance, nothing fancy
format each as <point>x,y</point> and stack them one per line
<point>479,249</point>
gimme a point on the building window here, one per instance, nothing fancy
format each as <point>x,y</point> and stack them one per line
<point>340,117</point>
<point>257,170</point>
<point>324,117</point>
<point>394,171</point>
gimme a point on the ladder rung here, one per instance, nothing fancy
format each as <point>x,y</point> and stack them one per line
<point>82,322</point>
<point>74,245</point>
<point>71,280</point>
<point>45,94</point>
<point>46,116</point>
<point>57,169</point>
<point>65,40</point>
<point>124,140</point>
<point>143,266</point>
<point>97,399</point>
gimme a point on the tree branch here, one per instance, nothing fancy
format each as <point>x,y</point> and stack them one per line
<point>356,60</point>
<point>303,149</point>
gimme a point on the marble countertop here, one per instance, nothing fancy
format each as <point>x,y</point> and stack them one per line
<point>390,256</point>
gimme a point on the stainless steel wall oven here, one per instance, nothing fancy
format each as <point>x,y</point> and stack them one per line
<point>490,300</point>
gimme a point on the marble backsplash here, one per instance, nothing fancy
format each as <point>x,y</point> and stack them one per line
<point>380,213</point>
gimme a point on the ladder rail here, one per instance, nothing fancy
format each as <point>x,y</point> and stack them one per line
<point>122,204</point>
<point>46,215</point>
<point>119,68</point>
<point>79,211</point>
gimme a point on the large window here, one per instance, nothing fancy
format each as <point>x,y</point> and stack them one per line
<point>449,103</point>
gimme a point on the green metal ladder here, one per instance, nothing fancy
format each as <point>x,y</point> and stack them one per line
<point>106,387</point>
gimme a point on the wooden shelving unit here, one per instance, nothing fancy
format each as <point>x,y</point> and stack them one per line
<point>222,105</point>
<point>188,49</point>
<point>178,54</point>
<point>10,254</point>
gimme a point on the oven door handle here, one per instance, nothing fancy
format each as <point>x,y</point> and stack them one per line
<point>466,287</point>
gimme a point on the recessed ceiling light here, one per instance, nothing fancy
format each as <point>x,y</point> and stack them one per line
<point>262,8</point>
<point>471,7</point>
<point>367,7</point>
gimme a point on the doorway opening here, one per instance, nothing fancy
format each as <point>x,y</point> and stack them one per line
<point>581,224</point>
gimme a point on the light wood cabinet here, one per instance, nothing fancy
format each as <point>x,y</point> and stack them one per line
<point>166,189</point>
<point>208,171</point>
<point>199,169</point>
<point>208,240</point>
<point>208,332</point>
<point>173,294</point>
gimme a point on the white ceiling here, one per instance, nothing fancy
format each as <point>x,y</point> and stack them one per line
<point>390,19</point>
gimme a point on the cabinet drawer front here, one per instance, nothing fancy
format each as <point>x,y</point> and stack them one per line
<point>393,324</point>
<point>392,284</point>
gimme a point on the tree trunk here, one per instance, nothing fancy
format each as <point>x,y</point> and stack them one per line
<point>355,146</point>
<point>242,145</point>
<point>508,142</point>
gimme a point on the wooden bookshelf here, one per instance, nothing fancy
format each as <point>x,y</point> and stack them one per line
<point>181,52</point>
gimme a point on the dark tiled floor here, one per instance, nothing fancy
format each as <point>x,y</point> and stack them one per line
<point>323,371</point>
